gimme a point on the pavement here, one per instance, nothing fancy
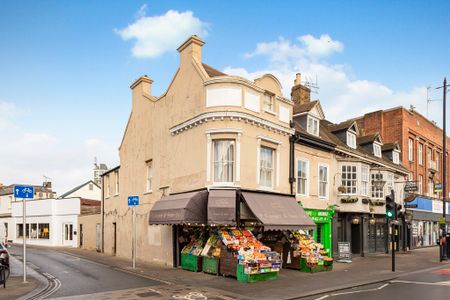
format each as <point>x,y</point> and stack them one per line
<point>291,284</point>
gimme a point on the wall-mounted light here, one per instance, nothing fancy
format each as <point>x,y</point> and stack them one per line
<point>355,220</point>
<point>372,221</point>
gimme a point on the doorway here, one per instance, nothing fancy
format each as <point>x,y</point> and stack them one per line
<point>81,235</point>
<point>114,241</point>
<point>356,238</point>
<point>68,234</point>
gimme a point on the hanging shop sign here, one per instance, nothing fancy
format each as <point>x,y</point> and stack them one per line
<point>410,187</point>
<point>438,187</point>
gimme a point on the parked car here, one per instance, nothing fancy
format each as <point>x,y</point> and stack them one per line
<point>4,255</point>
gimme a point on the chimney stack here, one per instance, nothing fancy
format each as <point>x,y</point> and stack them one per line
<point>300,94</point>
<point>191,49</point>
<point>142,85</point>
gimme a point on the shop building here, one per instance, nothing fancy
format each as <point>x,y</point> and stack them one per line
<point>210,133</point>
<point>367,170</point>
<point>315,163</point>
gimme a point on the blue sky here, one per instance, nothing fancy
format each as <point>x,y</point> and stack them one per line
<point>66,66</point>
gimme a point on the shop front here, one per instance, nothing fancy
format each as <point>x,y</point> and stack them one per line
<point>323,232</point>
<point>221,231</point>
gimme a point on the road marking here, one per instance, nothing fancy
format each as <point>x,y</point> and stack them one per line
<point>443,283</point>
<point>361,291</point>
<point>323,297</point>
<point>142,275</point>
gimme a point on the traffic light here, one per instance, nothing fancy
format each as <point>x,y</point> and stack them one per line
<point>398,211</point>
<point>390,207</point>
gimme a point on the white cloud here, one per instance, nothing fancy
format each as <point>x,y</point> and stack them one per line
<point>25,157</point>
<point>341,95</point>
<point>155,35</point>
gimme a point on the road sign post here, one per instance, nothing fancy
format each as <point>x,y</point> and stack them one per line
<point>24,192</point>
<point>133,201</point>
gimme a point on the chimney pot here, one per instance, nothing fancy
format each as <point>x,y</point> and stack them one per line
<point>298,79</point>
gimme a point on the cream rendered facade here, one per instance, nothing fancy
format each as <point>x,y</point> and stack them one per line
<point>168,147</point>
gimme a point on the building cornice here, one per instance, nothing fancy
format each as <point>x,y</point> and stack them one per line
<point>231,115</point>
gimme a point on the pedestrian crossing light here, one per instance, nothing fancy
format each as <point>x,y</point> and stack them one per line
<point>390,207</point>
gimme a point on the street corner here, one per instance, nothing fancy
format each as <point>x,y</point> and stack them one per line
<point>164,292</point>
<point>17,289</point>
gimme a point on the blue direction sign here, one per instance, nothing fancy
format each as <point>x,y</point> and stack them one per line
<point>133,200</point>
<point>24,191</point>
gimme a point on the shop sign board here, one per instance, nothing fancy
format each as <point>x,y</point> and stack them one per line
<point>319,216</point>
<point>133,200</point>
<point>437,207</point>
<point>441,220</point>
<point>344,252</point>
<point>438,187</point>
<point>410,187</point>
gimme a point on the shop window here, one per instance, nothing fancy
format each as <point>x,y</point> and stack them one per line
<point>149,176</point>
<point>377,191</point>
<point>223,161</point>
<point>349,179</point>
<point>19,231</point>
<point>44,231</point>
<point>302,177</point>
<point>266,173</point>
<point>323,181</point>
<point>33,230</point>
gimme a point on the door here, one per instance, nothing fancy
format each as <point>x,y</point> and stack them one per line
<point>98,237</point>
<point>81,235</point>
<point>114,243</point>
<point>68,234</point>
<point>356,238</point>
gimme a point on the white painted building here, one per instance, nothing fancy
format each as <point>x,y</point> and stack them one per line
<point>50,222</point>
<point>87,190</point>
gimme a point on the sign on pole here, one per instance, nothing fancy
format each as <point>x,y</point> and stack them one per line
<point>133,201</point>
<point>24,192</point>
<point>438,187</point>
<point>410,187</point>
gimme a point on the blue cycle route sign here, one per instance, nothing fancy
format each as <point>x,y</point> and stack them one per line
<point>133,200</point>
<point>24,191</point>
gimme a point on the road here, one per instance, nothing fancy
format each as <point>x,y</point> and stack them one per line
<point>78,276</point>
<point>429,284</point>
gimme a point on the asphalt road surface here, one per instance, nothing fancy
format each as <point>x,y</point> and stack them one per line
<point>429,285</point>
<point>79,276</point>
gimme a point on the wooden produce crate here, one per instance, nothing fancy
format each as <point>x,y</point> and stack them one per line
<point>227,263</point>
<point>191,262</point>
<point>211,265</point>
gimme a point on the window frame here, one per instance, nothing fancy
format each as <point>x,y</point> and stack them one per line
<point>420,154</point>
<point>365,180</point>
<point>351,142</point>
<point>410,149</point>
<point>213,162</point>
<point>108,186</point>
<point>306,179</point>
<point>377,150</point>
<point>374,192</point>
<point>149,176</point>
<point>273,170</point>
<point>116,175</point>
<point>396,157</point>
<point>327,182</point>
<point>314,121</point>
<point>270,107</point>
<point>349,180</point>
<point>420,184</point>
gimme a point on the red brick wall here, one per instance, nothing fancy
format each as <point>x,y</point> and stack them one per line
<point>400,124</point>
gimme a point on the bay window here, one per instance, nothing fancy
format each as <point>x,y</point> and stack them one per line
<point>377,191</point>
<point>266,166</point>
<point>223,161</point>
<point>365,180</point>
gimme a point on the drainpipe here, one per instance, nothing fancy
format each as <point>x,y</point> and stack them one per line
<point>102,246</point>
<point>292,139</point>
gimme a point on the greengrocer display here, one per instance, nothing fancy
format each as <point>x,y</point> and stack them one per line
<point>307,255</point>
<point>190,254</point>
<point>211,254</point>
<point>251,255</point>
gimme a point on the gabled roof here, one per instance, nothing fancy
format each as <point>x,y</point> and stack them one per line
<point>307,107</point>
<point>76,189</point>
<point>390,147</point>
<point>345,125</point>
<point>212,72</point>
<point>369,139</point>
<point>323,137</point>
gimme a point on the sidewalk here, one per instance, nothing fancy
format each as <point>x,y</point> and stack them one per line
<point>15,287</point>
<point>291,284</point>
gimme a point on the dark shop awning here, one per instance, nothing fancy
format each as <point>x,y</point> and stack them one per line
<point>222,207</point>
<point>278,212</point>
<point>184,208</point>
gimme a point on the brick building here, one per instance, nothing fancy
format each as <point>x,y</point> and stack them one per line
<point>420,141</point>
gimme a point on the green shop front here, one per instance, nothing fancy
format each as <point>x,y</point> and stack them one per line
<point>323,232</point>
